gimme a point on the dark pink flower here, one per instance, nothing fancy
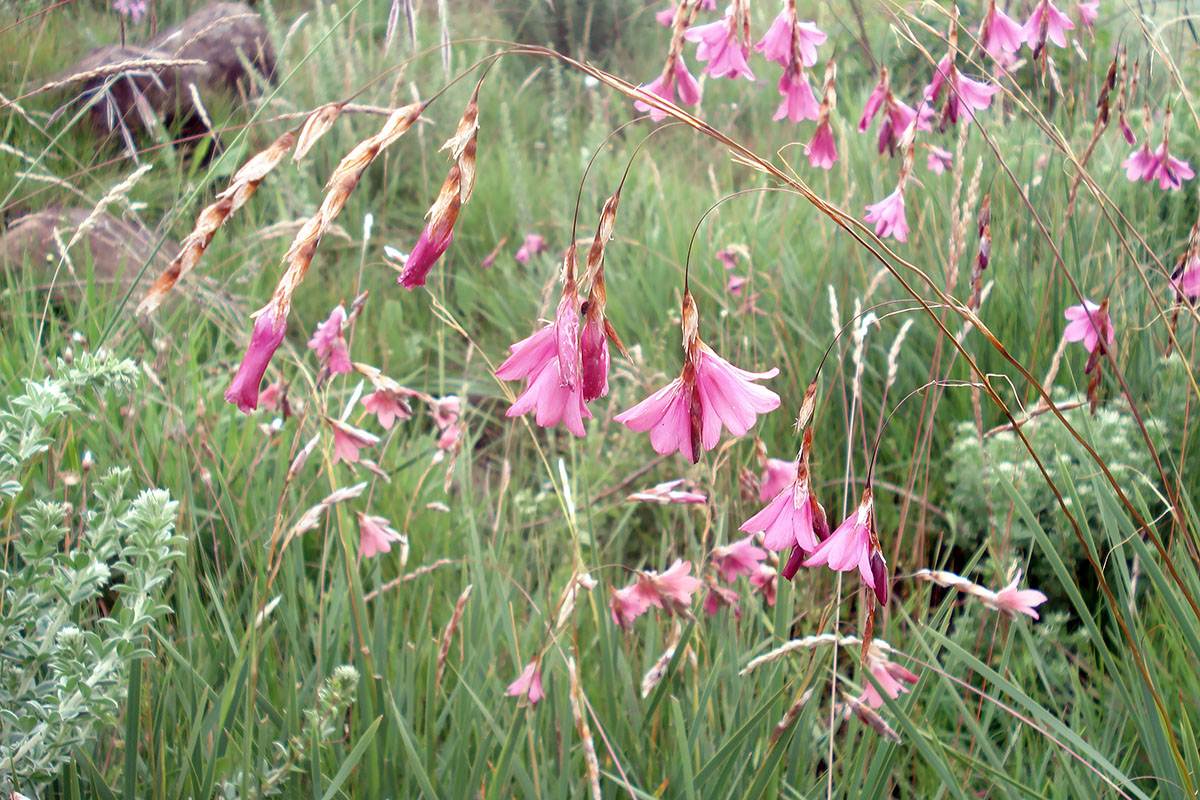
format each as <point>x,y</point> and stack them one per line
<point>888,216</point>
<point>719,44</point>
<point>720,596</point>
<point>1046,22</point>
<point>348,440</point>
<point>1188,282</point>
<point>664,86</point>
<point>875,101</point>
<point>939,159</point>
<point>534,243</point>
<point>1126,131</point>
<point>740,558</point>
<point>1089,322</point>
<point>266,338</point>
<point>436,237</point>
<point>1141,165</point>
<point>822,152</point>
<point>788,35</point>
<point>1170,171</point>
<point>964,95</point>
<point>328,332</point>
<point>375,535</point>
<point>387,406</point>
<point>528,684</point>
<point>766,581</point>
<point>669,492</point>
<point>594,360</point>
<point>1012,600</point>
<point>799,102</point>
<point>999,33</point>
<point>854,546</point>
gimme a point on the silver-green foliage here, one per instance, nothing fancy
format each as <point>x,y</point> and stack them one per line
<point>80,588</point>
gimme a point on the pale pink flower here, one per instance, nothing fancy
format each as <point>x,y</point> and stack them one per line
<point>667,15</point>
<point>1047,22</point>
<point>375,535</point>
<point>348,440</point>
<point>134,9</point>
<point>1088,322</point>
<point>874,101</point>
<point>1140,165</point>
<point>719,596</point>
<point>1088,12</point>
<point>446,413</point>
<point>728,257</point>
<point>273,395</point>
<point>799,102</point>
<point>777,44</point>
<point>664,86</point>
<point>528,684</point>
<point>672,588</point>
<point>534,243</point>
<point>766,581</point>
<point>777,473</point>
<point>387,406</point>
<point>891,677</point>
<point>939,159</point>
<point>268,333</point>
<point>735,283</point>
<point>721,394</point>
<point>1012,600</point>
<point>669,492</point>
<point>1188,282</point>
<point>888,216</point>
<point>822,152</point>
<point>738,558</point>
<point>1170,171</point>
<point>628,604</point>
<point>718,44</point>
<point>854,545</point>
<point>328,332</point>
<point>552,401</point>
<point>792,519</point>
<point>964,94</point>
<point>999,33</point>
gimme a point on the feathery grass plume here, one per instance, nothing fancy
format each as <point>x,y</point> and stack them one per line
<point>580,581</point>
<point>893,358</point>
<point>789,717</point>
<point>871,717</point>
<point>311,518</point>
<point>448,633</point>
<point>318,123</point>
<point>424,569</point>
<point>301,458</point>
<point>655,674</point>
<point>240,188</point>
<point>272,318</point>
<point>1009,600</point>
<point>578,706</point>
<point>810,643</point>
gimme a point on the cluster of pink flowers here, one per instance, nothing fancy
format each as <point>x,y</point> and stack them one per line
<point>670,591</point>
<point>1159,164</point>
<point>329,342</point>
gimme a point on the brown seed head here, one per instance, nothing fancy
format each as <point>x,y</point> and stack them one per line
<point>317,125</point>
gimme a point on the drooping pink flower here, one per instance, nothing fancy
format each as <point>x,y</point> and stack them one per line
<point>446,413</point>
<point>1046,22</point>
<point>673,588</point>
<point>375,535</point>
<point>387,406</point>
<point>787,35</point>
<point>1126,131</point>
<point>669,492</point>
<point>1089,322</point>
<point>1088,11</point>
<point>891,677</point>
<point>1188,280</point>
<point>593,354</point>
<point>264,341</point>
<point>134,9</point>
<point>854,545</point>
<point>438,233</point>
<point>273,395</point>
<point>1170,171</point>
<point>765,580</point>
<point>675,76</point>
<point>534,243</point>
<point>791,519</point>
<point>999,33</point>
<point>1012,600</point>
<point>628,604</point>
<point>328,332</point>
<point>1140,165</point>
<point>875,100</point>
<point>728,257</point>
<point>689,412</point>
<point>720,596</point>
<point>799,102</point>
<point>348,440</point>
<point>822,152</point>
<point>719,44</point>
<point>739,558</point>
<point>939,159</point>
<point>888,216</point>
<point>964,95</point>
<point>667,16</point>
<point>735,283</point>
<point>528,684</point>
<point>777,473</point>
<point>897,115</point>
<point>550,361</point>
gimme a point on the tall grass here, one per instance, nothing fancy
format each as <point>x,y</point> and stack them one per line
<point>1098,697</point>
